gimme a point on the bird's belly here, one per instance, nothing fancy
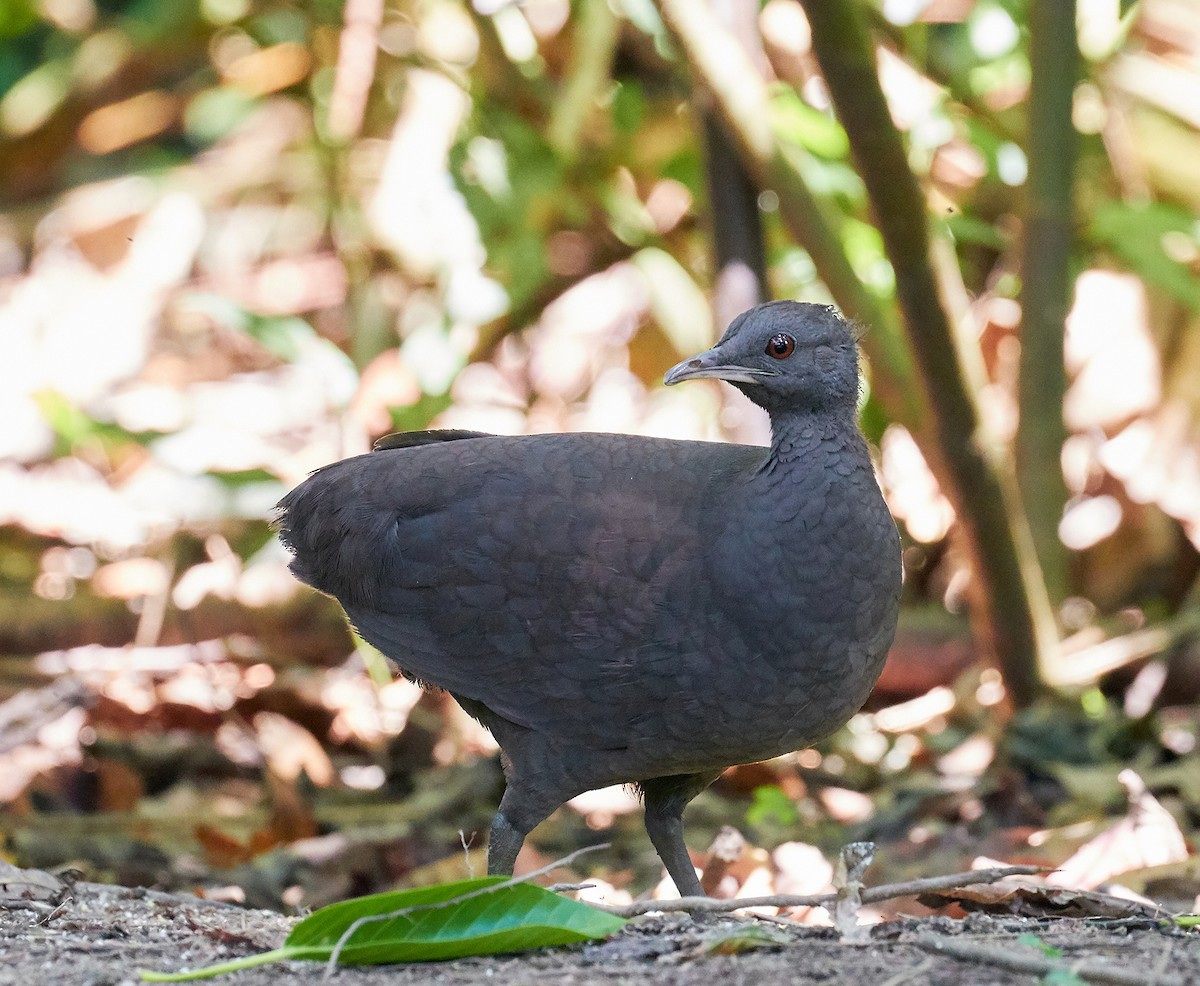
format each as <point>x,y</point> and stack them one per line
<point>759,707</point>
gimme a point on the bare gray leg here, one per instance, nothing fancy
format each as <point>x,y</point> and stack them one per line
<point>504,842</point>
<point>666,797</point>
<point>520,810</point>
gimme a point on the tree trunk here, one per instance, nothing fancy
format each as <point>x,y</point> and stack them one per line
<point>1046,280</point>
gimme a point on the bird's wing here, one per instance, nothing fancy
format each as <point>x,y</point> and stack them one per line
<point>551,579</point>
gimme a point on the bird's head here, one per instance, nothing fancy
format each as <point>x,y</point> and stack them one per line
<point>786,356</point>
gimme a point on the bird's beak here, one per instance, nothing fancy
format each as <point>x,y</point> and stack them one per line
<point>713,364</point>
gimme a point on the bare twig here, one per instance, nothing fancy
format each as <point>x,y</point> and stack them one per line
<point>887,891</point>
<point>335,955</point>
<point>950,881</point>
<point>58,908</point>
<point>466,846</point>
<point>1040,965</point>
<point>565,888</point>
<point>707,905</point>
<point>773,919</point>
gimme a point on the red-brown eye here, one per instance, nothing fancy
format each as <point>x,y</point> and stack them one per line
<point>781,346</point>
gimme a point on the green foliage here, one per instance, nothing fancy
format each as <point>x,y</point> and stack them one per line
<point>74,427</point>
<point>1140,234</point>
<point>1077,734</point>
<point>864,248</point>
<point>17,17</point>
<point>150,21</point>
<point>686,168</point>
<point>517,192</point>
<point>215,112</point>
<point>771,805</point>
<point>966,229</point>
<point>628,105</point>
<point>447,921</point>
<point>678,307</point>
<point>244,477</point>
<point>416,417</point>
<point>644,16</point>
<point>275,26</point>
<point>288,337</point>
<point>797,122</point>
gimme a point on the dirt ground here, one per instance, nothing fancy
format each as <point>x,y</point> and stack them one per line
<point>102,936</point>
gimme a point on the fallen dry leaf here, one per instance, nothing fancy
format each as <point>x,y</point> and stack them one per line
<point>1148,835</point>
<point>1026,898</point>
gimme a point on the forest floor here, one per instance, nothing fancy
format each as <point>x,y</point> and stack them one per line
<point>103,935</point>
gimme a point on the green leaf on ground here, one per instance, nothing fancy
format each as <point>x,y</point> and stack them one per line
<point>429,924</point>
<point>1035,942</point>
<point>748,939</point>
<point>1061,976</point>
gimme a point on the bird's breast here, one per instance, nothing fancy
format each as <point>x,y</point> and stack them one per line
<point>809,572</point>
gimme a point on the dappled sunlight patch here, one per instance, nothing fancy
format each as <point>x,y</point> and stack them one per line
<point>1109,352</point>
<point>363,712</point>
<point>912,491</point>
<point>846,806</point>
<point>291,749</point>
<point>920,712</point>
<point>580,332</point>
<point>52,741</point>
<point>801,869</point>
<point>969,760</point>
<point>600,808</point>
<point>1088,520</point>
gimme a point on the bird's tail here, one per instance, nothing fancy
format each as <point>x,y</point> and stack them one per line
<point>319,522</point>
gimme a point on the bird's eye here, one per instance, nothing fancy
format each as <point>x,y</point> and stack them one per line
<point>781,346</point>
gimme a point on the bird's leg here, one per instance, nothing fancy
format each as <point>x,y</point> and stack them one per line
<point>504,842</point>
<point>666,797</point>
<point>520,810</point>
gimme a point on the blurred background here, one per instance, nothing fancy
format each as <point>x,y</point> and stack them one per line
<point>242,238</point>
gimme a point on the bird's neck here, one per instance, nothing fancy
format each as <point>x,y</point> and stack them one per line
<point>796,435</point>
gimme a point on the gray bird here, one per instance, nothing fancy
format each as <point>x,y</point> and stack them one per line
<point>619,609</point>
